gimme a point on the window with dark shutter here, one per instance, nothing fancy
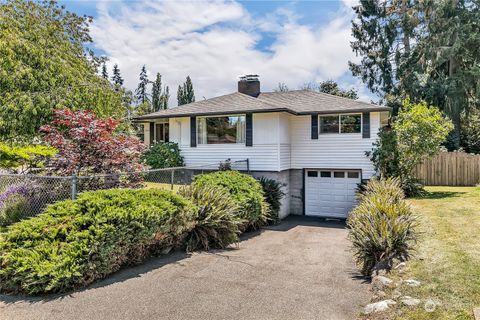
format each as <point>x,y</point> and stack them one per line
<point>314,126</point>
<point>152,132</point>
<point>193,132</point>
<point>248,130</point>
<point>366,125</point>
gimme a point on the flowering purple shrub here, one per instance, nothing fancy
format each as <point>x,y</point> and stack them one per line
<point>18,202</point>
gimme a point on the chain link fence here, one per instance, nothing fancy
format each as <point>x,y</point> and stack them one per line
<point>33,192</point>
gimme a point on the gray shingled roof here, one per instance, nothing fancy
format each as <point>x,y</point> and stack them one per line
<point>295,102</point>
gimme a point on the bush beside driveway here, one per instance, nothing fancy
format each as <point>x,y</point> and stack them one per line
<point>299,269</point>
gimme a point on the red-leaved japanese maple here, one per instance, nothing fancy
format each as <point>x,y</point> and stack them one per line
<point>88,145</point>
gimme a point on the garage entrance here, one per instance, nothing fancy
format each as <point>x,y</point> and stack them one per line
<point>330,193</point>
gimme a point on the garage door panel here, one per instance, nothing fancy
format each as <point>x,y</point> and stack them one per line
<point>330,196</point>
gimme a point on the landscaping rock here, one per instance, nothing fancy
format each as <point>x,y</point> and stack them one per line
<point>378,306</point>
<point>430,305</point>
<point>379,295</point>
<point>396,294</point>
<point>476,313</point>
<point>381,282</point>
<point>412,282</point>
<point>411,302</point>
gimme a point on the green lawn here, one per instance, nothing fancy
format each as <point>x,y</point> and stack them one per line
<point>165,186</point>
<point>447,261</point>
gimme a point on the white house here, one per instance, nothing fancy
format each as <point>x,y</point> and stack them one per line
<point>313,142</point>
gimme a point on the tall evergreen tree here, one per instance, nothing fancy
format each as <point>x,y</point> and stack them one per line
<point>427,50</point>
<point>164,98</point>
<point>117,77</point>
<point>104,71</point>
<point>36,79</point>
<point>160,95</point>
<point>141,93</point>
<point>185,92</point>
<point>157,92</point>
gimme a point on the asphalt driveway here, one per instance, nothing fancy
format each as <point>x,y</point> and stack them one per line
<point>300,269</point>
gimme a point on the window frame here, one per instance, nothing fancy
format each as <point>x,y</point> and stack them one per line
<point>155,128</point>
<point>339,115</point>
<point>244,115</point>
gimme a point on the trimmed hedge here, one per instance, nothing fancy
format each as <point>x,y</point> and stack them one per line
<point>245,190</point>
<point>73,243</point>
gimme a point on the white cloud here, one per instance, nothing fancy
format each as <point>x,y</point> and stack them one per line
<point>215,42</point>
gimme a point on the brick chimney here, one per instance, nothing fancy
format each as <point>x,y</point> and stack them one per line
<point>249,84</point>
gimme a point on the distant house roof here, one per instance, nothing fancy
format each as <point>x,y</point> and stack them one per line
<point>296,102</point>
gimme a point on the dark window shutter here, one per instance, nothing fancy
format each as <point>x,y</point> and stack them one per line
<point>314,126</point>
<point>193,132</point>
<point>366,125</point>
<point>152,132</point>
<point>248,130</point>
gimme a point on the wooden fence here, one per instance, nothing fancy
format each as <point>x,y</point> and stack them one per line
<point>450,169</point>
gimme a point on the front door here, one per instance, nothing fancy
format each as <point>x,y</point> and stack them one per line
<point>161,132</point>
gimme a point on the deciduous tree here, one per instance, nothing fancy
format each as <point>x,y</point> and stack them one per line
<point>87,144</point>
<point>44,66</point>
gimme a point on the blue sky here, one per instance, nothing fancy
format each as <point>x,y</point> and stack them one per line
<point>294,42</point>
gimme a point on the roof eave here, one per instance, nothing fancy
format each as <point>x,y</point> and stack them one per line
<point>213,113</point>
<point>356,110</point>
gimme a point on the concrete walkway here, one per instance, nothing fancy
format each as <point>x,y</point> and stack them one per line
<point>300,269</point>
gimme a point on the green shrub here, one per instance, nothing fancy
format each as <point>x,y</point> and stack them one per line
<point>245,191</point>
<point>216,224</point>
<point>73,243</point>
<point>382,226</point>
<point>272,189</point>
<point>390,188</point>
<point>163,155</point>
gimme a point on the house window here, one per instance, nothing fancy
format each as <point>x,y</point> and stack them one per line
<point>221,129</point>
<point>162,132</point>
<point>350,123</point>
<point>384,118</point>
<point>341,123</point>
<point>329,124</point>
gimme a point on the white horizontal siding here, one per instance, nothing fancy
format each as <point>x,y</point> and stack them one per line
<point>285,156</point>
<point>261,156</point>
<point>281,142</point>
<point>342,151</point>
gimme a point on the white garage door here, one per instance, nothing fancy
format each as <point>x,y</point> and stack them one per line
<point>330,193</point>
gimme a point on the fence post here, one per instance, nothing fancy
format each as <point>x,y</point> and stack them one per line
<point>172,176</point>
<point>248,166</point>
<point>74,187</point>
